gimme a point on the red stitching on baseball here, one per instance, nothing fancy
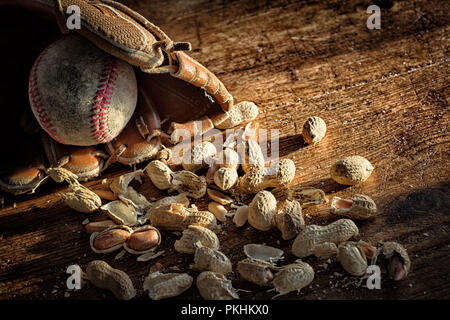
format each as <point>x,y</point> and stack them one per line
<point>99,129</point>
<point>35,100</point>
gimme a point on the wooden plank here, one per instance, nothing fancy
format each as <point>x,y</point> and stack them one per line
<point>384,95</point>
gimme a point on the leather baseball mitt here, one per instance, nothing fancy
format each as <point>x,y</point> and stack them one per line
<point>174,91</point>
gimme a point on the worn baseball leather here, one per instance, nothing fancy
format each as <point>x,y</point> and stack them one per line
<point>28,170</point>
<point>127,35</point>
<point>25,168</point>
<point>85,162</point>
<point>176,87</point>
<point>140,140</point>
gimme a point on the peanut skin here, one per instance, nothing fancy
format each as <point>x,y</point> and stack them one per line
<point>162,286</point>
<point>351,170</point>
<point>143,240</point>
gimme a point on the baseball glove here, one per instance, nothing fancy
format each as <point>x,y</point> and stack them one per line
<point>174,91</point>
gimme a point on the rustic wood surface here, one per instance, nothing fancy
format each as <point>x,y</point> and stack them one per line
<point>383,93</point>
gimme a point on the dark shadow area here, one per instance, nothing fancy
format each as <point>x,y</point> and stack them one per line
<point>290,144</point>
<point>421,204</point>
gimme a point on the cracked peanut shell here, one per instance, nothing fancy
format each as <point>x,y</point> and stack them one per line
<point>262,210</point>
<point>289,220</point>
<point>189,183</point>
<point>193,234</point>
<point>359,207</point>
<point>215,286</point>
<point>120,186</point>
<point>293,277</point>
<point>121,212</point>
<point>166,285</point>
<point>262,252</point>
<point>307,196</point>
<point>393,259</point>
<point>103,276</point>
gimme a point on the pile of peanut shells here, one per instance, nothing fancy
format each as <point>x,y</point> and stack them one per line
<point>134,222</point>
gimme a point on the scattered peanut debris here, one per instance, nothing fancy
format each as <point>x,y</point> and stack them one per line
<point>219,197</point>
<point>97,226</point>
<point>149,255</point>
<point>134,219</point>
<point>352,258</point>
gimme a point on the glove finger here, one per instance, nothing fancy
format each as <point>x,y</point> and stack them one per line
<point>139,140</point>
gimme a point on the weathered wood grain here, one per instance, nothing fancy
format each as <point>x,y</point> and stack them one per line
<point>384,95</point>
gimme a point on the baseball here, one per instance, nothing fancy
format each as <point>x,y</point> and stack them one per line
<point>81,95</point>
